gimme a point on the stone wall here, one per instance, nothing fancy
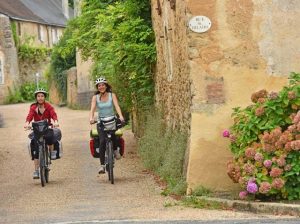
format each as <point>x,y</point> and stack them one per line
<point>85,87</point>
<point>251,45</point>
<point>15,71</point>
<point>72,87</point>
<point>75,98</point>
<point>53,94</point>
<point>84,99</point>
<point>8,57</point>
<point>36,35</point>
<point>83,73</point>
<point>172,80</point>
<point>29,68</point>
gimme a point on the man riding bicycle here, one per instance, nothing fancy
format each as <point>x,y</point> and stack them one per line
<point>42,110</point>
<point>105,101</point>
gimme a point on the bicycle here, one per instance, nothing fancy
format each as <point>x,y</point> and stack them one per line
<point>109,156</point>
<point>39,129</point>
<point>109,126</point>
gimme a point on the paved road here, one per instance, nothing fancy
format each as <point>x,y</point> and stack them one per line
<point>251,221</point>
<point>76,193</point>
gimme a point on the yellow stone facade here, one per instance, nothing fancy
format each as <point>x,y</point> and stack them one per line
<point>251,45</point>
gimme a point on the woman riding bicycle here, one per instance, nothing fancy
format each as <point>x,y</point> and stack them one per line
<point>105,101</point>
<point>41,110</point>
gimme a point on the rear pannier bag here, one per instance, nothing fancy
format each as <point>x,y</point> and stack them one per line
<point>94,147</point>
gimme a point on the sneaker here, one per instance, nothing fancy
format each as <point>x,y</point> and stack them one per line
<point>117,154</point>
<point>36,174</point>
<point>101,169</point>
<point>53,155</point>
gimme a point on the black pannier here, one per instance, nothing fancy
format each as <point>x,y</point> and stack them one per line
<point>40,128</point>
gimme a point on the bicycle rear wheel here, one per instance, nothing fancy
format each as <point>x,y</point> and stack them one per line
<point>110,155</point>
<point>42,165</point>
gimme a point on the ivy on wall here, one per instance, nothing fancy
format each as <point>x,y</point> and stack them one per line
<point>118,37</point>
<point>62,59</point>
<point>27,51</point>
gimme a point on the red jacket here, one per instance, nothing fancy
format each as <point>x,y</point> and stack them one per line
<point>48,114</point>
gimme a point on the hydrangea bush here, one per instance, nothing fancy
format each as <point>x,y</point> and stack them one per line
<point>265,141</point>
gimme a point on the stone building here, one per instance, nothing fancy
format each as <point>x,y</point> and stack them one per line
<point>42,22</point>
<point>80,86</point>
<point>201,76</point>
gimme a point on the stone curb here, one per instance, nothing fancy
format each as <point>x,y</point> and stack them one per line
<point>258,207</point>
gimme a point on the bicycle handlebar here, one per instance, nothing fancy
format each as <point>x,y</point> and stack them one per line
<point>30,128</point>
<point>123,123</point>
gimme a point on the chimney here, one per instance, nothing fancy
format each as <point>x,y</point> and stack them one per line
<point>65,8</point>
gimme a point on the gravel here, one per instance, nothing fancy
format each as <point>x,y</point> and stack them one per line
<point>75,191</point>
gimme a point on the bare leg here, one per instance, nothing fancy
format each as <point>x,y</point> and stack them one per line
<point>36,164</point>
<point>51,147</point>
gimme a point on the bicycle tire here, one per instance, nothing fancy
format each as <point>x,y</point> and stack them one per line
<point>47,159</point>
<point>110,155</point>
<point>42,165</point>
<point>106,161</point>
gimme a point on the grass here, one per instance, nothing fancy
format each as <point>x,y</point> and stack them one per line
<point>162,151</point>
<point>201,191</point>
<point>194,202</point>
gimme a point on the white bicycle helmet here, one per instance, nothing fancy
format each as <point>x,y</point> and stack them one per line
<point>100,80</point>
<point>40,90</point>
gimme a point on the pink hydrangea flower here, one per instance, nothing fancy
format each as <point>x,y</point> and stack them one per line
<point>268,163</point>
<point>226,133</point>
<point>281,161</point>
<point>275,172</point>
<point>249,168</point>
<point>243,195</point>
<point>250,153</point>
<point>296,118</point>
<point>258,157</point>
<point>265,187</point>
<point>295,145</point>
<point>288,147</point>
<point>259,111</point>
<point>252,187</point>
<point>278,183</point>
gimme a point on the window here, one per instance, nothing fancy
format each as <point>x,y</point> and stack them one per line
<point>19,28</point>
<point>41,33</point>
<point>59,34</point>
<point>54,36</point>
<point>168,53</point>
<point>1,72</point>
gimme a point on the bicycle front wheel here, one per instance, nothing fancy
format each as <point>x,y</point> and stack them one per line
<point>110,155</point>
<point>42,165</point>
<point>47,161</point>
